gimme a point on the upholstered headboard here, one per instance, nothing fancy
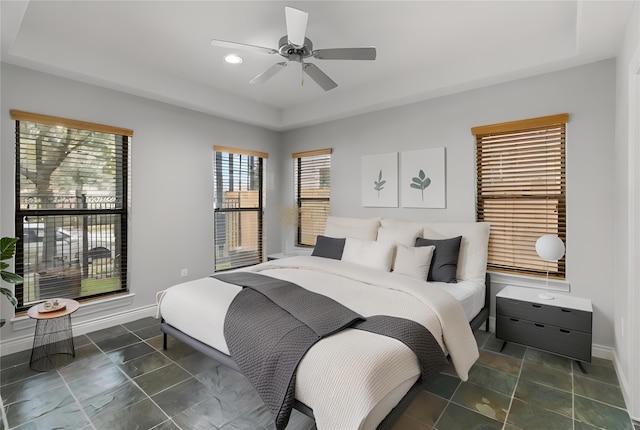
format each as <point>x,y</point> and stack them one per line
<point>472,258</point>
<point>355,228</point>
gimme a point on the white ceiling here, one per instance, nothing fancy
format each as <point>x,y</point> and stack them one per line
<point>161,49</point>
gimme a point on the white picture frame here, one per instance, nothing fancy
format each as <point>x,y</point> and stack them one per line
<point>379,175</point>
<point>422,178</point>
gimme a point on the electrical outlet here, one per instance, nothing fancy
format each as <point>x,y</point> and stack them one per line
<point>184,272</point>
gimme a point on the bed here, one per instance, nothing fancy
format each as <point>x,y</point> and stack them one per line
<point>355,379</point>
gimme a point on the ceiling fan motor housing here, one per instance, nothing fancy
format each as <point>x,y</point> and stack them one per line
<point>294,52</point>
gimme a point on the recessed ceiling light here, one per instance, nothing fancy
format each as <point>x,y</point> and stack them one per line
<point>232,59</point>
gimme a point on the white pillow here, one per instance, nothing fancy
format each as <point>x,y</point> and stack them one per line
<point>401,235</point>
<point>369,253</point>
<point>356,228</point>
<point>413,261</point>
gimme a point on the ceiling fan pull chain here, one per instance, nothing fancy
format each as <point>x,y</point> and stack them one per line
<point>301,72</point>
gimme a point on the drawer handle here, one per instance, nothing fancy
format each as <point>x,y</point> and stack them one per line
<point>566,310</point>
<point>536,306</point>
<point>565,331</point>
<point>539,325</point>
<point>514,319</point>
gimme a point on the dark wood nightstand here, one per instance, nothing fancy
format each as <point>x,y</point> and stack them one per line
<point>562,325</point>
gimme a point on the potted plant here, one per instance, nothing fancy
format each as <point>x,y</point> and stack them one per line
<point>7,250</point>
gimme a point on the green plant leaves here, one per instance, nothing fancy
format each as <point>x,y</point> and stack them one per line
<point>379,184</point>
<point>420,182</point>
<point>11,278</point>
<point>7,250</point>
<point>7,247</point>
<point>9,295</point>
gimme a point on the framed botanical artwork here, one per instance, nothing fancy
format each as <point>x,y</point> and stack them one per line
<point>422,178</point>
<point>380,180</point>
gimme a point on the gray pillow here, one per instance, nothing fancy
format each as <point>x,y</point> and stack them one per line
<point>444,263</point>
<point>329,247</point>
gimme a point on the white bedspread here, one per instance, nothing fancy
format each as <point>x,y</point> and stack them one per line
<point>344,377</point>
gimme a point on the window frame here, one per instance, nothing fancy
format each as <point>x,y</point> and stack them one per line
<point>323,179</point>
<point>530,149</point>
<point>121,213</point>
<point>259,209</point>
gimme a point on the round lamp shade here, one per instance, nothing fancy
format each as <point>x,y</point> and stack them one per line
<point>550,247</point>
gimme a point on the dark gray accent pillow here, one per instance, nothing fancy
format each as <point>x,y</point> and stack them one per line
<point>444,263</point>
<point>329,247</point>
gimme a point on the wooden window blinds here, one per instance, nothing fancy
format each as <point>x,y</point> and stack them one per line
<point>521,190</point>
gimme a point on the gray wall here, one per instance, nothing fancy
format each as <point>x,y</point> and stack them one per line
<point>626,282</point>
<point>171,221</point>
<point>587,93</point>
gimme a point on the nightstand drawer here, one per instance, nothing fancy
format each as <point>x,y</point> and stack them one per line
<point>552,315</point>
<point>570,343</point>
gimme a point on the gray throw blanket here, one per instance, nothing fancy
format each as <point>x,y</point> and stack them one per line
<point>271,324</point>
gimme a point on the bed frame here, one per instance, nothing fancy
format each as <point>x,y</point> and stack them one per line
<point>483,315</point>
<point>390,419</point>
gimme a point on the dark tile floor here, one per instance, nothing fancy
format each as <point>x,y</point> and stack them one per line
<point>521,388</point>
<point>122,379</point>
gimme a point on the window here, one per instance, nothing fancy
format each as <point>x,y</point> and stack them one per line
<point>521,191</point>
<point>312,182</point>
<point>238,207</point>
<point>71,208</point>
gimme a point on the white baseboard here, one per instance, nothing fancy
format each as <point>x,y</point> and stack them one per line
<point>609,353</point>
<point>605,352</point>
<point>23,343</point>
<point>624,384</point>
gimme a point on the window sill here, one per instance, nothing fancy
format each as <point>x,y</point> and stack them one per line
<point>89,307</point>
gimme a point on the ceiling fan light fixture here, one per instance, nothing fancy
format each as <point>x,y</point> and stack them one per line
<point>296,47</point>
<point>233,59</point>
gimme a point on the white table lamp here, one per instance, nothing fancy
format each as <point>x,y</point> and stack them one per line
<point>550,248</point>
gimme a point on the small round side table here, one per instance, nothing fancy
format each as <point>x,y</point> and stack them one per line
<point>53,339</point>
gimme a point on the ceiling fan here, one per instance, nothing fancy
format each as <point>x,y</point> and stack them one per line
<point>295,46</point>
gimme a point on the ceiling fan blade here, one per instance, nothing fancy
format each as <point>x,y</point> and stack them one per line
<point>368,53</point>
<point>296,25</point>
<point>269,73</point>
<point>319,76</point>
<point>244,46</point>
